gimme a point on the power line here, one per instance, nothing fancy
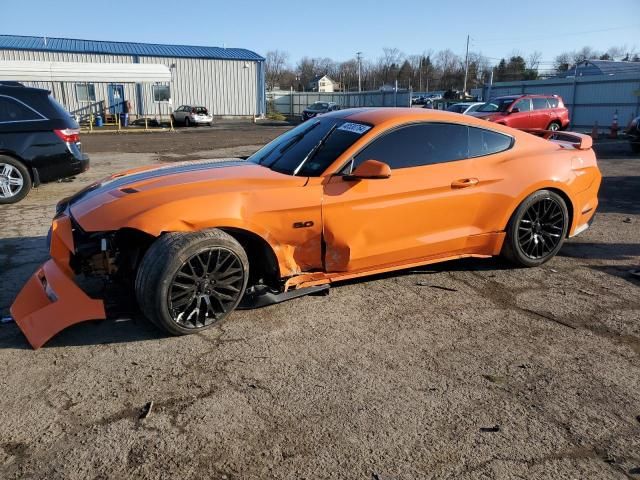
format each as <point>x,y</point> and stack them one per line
<point>567,34</point>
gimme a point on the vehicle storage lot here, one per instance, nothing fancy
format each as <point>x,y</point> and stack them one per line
<point>467,369</point>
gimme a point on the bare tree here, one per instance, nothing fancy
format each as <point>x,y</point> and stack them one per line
<point>533,60</point>
<point>275,66</point>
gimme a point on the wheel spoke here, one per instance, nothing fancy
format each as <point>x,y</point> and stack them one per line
<point>540,229</point>
<point>206,287</point>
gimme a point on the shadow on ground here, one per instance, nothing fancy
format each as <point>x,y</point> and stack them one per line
<point>600,251</point>
<point>618,195</point>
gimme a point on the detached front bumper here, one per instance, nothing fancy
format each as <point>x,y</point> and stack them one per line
<point>51,300</point>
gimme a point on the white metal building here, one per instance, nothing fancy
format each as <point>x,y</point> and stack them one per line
<point>85,75</point>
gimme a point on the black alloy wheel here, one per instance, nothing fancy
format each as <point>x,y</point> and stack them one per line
<point>207,287</point>
<point>541,228</point>
<point>537,229</point>
<point>188,282</point>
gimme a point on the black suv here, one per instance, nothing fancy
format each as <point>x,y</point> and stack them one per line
<point>39,141</point>
<point>318,108</point>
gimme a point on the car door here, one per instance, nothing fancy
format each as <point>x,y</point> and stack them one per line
<point>426,208</point>
<point>541,115</point>
<point>176,114</point>
<point>521,117</point>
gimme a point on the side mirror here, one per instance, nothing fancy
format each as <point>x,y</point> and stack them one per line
<point>370,169</point>
<point>514,110</point>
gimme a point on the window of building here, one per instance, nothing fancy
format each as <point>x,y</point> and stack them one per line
<point>161,93</point>
<point>12,110</point>
<point>86,92</point>
<point>418,145</point>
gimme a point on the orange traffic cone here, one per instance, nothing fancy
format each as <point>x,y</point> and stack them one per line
<point>594,131</point>
<point>614,126</point>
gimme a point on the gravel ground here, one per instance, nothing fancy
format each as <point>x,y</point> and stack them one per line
<point>464,370</point>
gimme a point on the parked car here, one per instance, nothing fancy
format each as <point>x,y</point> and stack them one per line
<point>541,112</point>
<point>318,108</point>
<point>188,115</point>
<point>464,107</point>
<point>634,135</point>
<point>39,141</point>
<point>351,193</point>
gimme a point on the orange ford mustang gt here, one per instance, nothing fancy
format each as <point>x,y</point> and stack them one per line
<point>352,193</point>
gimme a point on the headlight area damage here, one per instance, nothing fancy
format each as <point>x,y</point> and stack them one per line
<point>69,288</point>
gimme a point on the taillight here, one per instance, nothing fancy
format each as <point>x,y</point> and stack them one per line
<point>68,135</point>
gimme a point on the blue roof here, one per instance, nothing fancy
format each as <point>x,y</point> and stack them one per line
<point>72,45</point>
<point>602,67</point>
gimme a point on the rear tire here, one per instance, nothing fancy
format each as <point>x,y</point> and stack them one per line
<point>635,147</point>
<point>536,230</point>
<point>15,180</point>
<point>188,282</point>
<point>187,122</point>
<point>554,127</point>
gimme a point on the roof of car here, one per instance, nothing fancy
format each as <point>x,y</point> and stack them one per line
<point>380,115</point>
<point>12,89</point>
<point>543,95</point>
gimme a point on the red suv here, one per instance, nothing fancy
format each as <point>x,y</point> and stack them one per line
<point>544,112</point>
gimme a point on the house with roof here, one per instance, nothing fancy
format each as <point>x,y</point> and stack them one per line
<point>322,83</point>
<point>139,78</point>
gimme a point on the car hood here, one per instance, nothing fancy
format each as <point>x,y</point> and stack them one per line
<point>116,201</point>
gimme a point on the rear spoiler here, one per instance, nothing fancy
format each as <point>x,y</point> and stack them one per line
<point>578,140</point>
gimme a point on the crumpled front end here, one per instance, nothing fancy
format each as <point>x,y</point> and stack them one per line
<point>51,300</point>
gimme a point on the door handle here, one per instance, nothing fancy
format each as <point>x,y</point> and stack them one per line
<point>464,183</point>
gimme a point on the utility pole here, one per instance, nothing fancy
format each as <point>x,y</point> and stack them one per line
<point>466,68</point>
<point>359,57</point>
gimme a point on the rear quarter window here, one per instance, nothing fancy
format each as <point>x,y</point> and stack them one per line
<point>553,102</point>
<point>486,142</point>
<point>12,111</point>
<point>540,103</point>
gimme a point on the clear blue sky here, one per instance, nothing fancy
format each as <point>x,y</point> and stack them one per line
<point>497,28</point>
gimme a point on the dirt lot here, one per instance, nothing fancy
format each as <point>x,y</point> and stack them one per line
<point>481,371</point>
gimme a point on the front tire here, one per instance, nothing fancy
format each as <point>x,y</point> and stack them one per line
<point>537,229</point>
<point>15,181</point>
<point>188,282</point>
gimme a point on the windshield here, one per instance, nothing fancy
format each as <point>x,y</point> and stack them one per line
<point>496,105</point>
<point>457,108</point>
<point>318,106</point>
<point>311,147</point>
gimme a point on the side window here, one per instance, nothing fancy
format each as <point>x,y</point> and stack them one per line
<point>417,145</point>
<point>11,110</point>
<point>485,142</point>
<point>553,102</point>
<point>523,105</point>
<point>540,103</point>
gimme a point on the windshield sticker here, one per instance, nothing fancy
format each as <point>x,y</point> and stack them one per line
<point>354,128</point>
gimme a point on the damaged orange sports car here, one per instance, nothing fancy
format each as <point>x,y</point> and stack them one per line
<point>351,193</point>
